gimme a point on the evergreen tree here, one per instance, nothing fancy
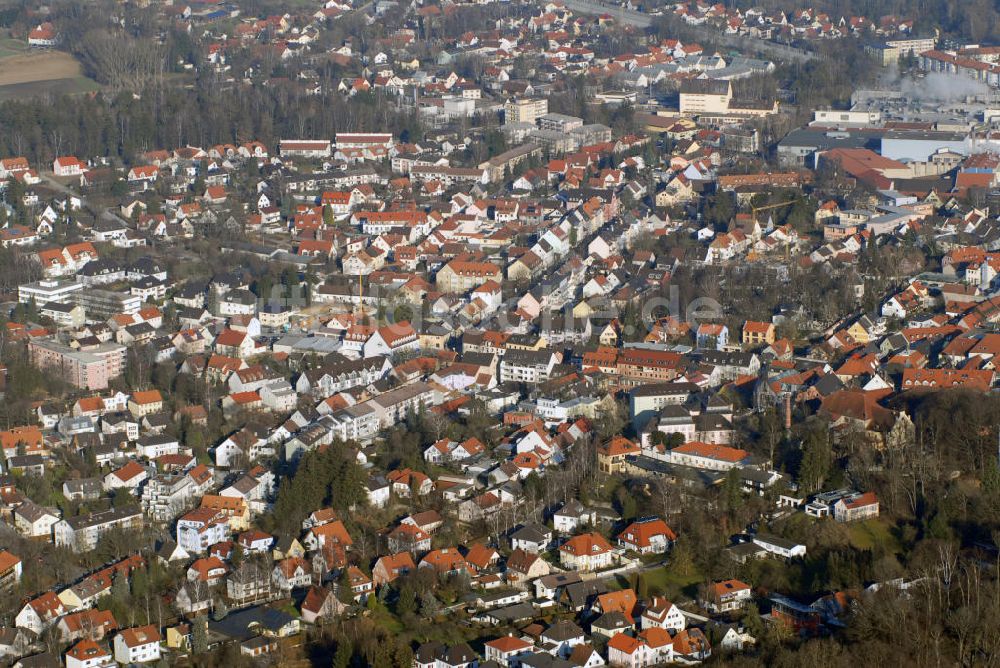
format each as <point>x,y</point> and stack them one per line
<point>140,582</point>
<point>732,491</point>
<point>642,587</point>
<point>344,593</point>
<point>991,480</point>
<point>402,654</point>
<point>220,610</point>
<point>345,651</point>
<point>407,601</point>
<point>429,605</point>
<point>199,635</point>
<point>119,587</point>
<point>816,459</point>
<point>331,477</point>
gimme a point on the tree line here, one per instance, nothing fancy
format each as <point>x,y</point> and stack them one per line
<point>123,126</point>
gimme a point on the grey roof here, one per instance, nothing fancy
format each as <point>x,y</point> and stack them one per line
<point>33,512</point>
<point>84,486</point>
<point>559,579</point>
<point>23,461</point>
<point>744,551</point>
<point>704,87</point>
<point>572,508</point>
<point>675,414</point>
<point>528,357</point>
<point>822,140</point>
<point>611,621</point>
<point>59,308</point>
<point>562,630</point>
<point>43,660</point>
<point>104,517</point>
<point>246,484</point>
<point>166,549</point>
<point>665,389</point>
<point>756,475</point>
<point>712,421</point>
<point>377,482</point>
<point>828,384</point>
<point>317,344</point>
<point>687,473</point>
<point>580,593</point>
<point>778,541</point>
<point>513,613</point>
<point>534,533</point>
<point>155,439</point>
<point>158,420</point>
<point>237,624</point>
<point>543,660</point>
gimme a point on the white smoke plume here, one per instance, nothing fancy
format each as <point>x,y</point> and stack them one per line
<point>933,86</point>
<point>941,86</point>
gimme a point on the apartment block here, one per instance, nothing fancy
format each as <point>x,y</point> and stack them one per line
<point>89,369</point>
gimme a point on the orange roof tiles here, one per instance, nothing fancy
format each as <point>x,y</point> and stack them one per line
<point>147,397</point>
<point>712,451</point>
<point>619,445</point>
<point>588,543</point>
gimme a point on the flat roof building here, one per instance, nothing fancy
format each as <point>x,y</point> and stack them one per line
<point>89,369</point>
<point>48,291</point>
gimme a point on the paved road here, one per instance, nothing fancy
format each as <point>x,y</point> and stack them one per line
<point>740,42</point>
<point>59,187</point>
<point>106,214</point>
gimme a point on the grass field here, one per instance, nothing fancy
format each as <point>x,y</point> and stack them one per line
<point>673,583</point>
<point>866,535</point>
<point>664,580</point>
<point>68,86</point>
<point>11,47</point>
<point>28,73</point>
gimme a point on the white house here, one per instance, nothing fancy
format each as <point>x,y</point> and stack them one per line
<point>572,516</point>
<point>506,649</point>
<point>138,645</point>
<point>68,166</point>
<point>532,538</point>
<point>88,654</point>
<point>663,614</point>
<point>392,340</point>
<point>34,521</point>
<point>652,647</point>
<point>562,637</point>
<point>647,536</point>
<point>586,552</point>
<point>40,613</point>
<point>726,596</point>
<point>787,549</point>
<point>200,529</point>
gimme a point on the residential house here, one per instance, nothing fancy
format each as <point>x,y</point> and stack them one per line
<point>647,536</point>
<point>726,596</point>
<point>586,552</point>
<point>138,645</point>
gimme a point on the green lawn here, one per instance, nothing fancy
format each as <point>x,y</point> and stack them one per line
<point>85,84</point>
<point>672,583</point>
<point>871,533</point>
<point>68,86</point>
<point>387,620</point>
<point>12,47</point>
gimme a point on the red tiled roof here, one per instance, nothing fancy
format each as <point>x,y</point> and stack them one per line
<point>712,451</point>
